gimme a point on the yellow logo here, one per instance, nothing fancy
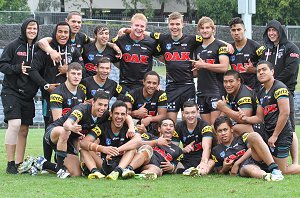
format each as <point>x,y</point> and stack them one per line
<point>260,50</point>
<point>114,39</point>
<point>180,157</point>
<point>214,158</point>
<point>281,92</point>
<point>245,136</point>
<point>119,88</point>
<point>162,97</point>
<point>131,98</point>
<point>207,129</point>
<point>56,98</point>
<point>175,134</point>
<point>244,100</point>
<point>145,136</point>
<point>97,130</point>
<point>156,35</point>
<point>158,48</point>
<point>199,39</point>
<point>223,50</point>
<point>83,88</point>
<point>77,114</point>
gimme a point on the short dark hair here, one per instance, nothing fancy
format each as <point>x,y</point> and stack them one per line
<point>233,73</point>
<point>75,66</point>
<point>222,119</point>
<point>152,73</point>
<point>99,28</point>
<point>236,20</point>
<point>189,103</point>
<point>103,60</point>
<point>123,98</point>
<point>269,64</point>
<point>118,103</point>
<point>101,95</point>
<point>162,120</point>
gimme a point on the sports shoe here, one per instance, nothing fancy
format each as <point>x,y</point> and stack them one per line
<point>96,175</point>
<point>26,165</point>
<point>192,171</point>
<point>127,173</point>
<point>63,174</point>
<point>113,175</point>
<point>276,175</point>
<point>150,176</point>
<point>84,169</point>
<point>267,177</point>
<point>33,171</point>
<point>38,163</point>
<point>11,168</point>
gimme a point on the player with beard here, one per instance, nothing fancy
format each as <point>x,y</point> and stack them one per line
<point>246,54</point>
<point>196,136</point>
<point>149,104</point>
<point>138,51</point>
<point>100,81</point>
<point>274,110</point>
<point>17,92</point>
<point>93,51</point>
<point>212,62</point>
<point>117,149</point>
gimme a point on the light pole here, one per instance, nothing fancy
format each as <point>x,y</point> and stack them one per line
<point>246,8</point>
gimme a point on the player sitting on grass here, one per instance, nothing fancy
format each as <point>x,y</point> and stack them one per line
<point>157,156</point>
<point>116,147</point>
<point>247,155</point>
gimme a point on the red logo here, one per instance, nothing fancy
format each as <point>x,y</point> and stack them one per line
<point>90,67</point>
<point>22,53</point>
<point>270,109</point>
<point>175,56</point>
<point>135,58</point>
<point>294,55</point>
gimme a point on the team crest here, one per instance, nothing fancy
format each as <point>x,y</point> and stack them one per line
<point>222,154</point>
<point>168,46</point>
<point>93,92</point>
<point>232,58</point>
<point>91,57</point>
<point>69,59</point>
<point>108,141</point>
<point>127,47</point>
<point>184,139</point>
<point>69,102</point>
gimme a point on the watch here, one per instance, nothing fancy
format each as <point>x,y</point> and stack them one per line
<point>46,86</point>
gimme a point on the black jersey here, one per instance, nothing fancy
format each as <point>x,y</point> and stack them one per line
<point>269,103</point>
<point>80,40</point>
<point>158,100</point>
<point>91,55</point>
<point>83,112</point>
<point>90,87</point>
<point>237,149</point>
<point>182,134</point>
<point>137,58</point>
<point>209,84</point>
<point>244,99</point>
<point>62,98</point>
<point>178,56</point>
<point>251,51</point>
<point>169,153</point>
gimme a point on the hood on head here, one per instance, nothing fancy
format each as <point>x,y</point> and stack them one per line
<point>55,30</point>
<point>23,29</point>
<point>282,35</point>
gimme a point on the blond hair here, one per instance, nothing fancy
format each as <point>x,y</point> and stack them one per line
<point>175,15</point>
<point>139,16</point>
<point>204,20</point>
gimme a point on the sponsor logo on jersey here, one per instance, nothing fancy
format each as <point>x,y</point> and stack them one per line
<point>108,141</point>
<point>175,134</point>
<point>127,47</point>
<point>281,92</point>
<point>162,97</point>
<point>244,100</point>
<point>223,50</point>
<point>131,98</point>
<point>56,98</point>
<point>145,136</point>
<point>83,88</point>
<point>294,55</point>
<point>176,56</point>
<point>97,130</point>
<point>207,129</point>
<point>119,88</point>
<point>156,35</point>
<point>199,39</point>
<point>270,109</point>
<point>168,46</point>
<point>22,53</point>
<point>260,50</point>
<point>214,158</point>
<point>77,114</point>
<point>245,136</point>
<point>135,58</point>
<point>91,57</point>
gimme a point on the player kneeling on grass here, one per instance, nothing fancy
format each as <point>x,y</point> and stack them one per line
<point>247,155</point>
<point>158,156</point>
<point>117,149</point>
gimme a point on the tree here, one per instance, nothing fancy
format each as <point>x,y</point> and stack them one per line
<point>48,5</point>
<point>90,5</point>
<point>221,11</point>
<point>131,6</point>
<point>14,5</point>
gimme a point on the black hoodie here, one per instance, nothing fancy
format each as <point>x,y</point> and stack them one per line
<point>284,56</point>
<point>15,82</point>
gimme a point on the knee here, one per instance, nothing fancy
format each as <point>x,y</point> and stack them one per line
<point>253,137</point>
<point>64,135</point>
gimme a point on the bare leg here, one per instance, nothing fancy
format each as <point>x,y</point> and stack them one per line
<point>126,158</point>
<point>239,129</point>
<point>282,163</point>
<point>73,165</point>
<point>252,170</point>
<point>213,116</point>
<point>21,143</point>
<point>294,149</point>
<point>173,116</point>
<point>11,138</point>
<point>150,168</point>
<point>206,117</point>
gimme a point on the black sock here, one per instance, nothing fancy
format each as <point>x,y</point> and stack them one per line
<point>94,170</point>
<point>119,169</point>
<point>180,170</point>
<point>129,167</point>
<point>272,166</point>
<point>49,166</point>
<point>47,150</point>
<point>61,155</point>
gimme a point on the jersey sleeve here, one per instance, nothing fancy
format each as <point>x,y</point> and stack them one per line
<point>223,51</point>
<point>95,132</point>
<point>207,131</point>
<point>56,100</point>
<point>175,136</point>
<point>216,156</point>
<point>119,90</point>
<point>281,93</point>
<point>162,100</point>
<point>245,102</point>
<point>76,113</point>
<point>131,96</point>
<point>245,138</point>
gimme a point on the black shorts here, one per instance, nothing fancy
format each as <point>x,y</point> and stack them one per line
<point>207,104</point>
<point>71,148</point>
<point>250,161</point>
<point>178,94</point>
<point>292,111</point>
<point>109,165</point>
<point>191,160</point>
<point>155,161</point>
<point>280,151</point>
<point>16,108</point>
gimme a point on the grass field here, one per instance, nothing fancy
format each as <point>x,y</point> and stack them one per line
<point>166,186</point>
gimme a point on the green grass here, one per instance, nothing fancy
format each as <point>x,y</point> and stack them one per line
<point>166,186</point>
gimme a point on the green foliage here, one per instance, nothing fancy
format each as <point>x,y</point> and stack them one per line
<point>131,7</point>
<point>221,11</point>
<point>13,5</point>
